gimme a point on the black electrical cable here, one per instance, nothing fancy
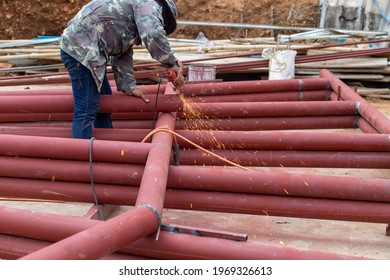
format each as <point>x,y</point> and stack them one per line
<point>155,106</point>
<point>92,181</point>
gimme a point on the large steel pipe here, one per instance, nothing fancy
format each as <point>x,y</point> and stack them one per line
<point>73,149</point>
<point>33,117</point>
<point>209,179</point>
<point>13,248</point>
<point>265,123</point>
<point>271,109</point>
<point>264,97</point>
<point>323,159</point>
<point>136,152</point>
<point>64,104</point>
<point>280,140</point>
<point>254,204</point>
<point>366,127</point>
<point>67,90</point>
<point>67,170</point>
<point>371,114</point>
<point>132,225</point>
<point>345,210</point>
<point>53,228</point>
<point>273,182</point>
<point>260,86</point>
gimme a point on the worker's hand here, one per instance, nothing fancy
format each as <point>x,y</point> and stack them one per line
<point>179,82</point>
<point>139,93</point>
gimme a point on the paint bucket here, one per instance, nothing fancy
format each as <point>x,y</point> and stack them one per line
<point>198,72</point>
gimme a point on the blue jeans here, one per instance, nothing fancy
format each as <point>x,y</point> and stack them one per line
<point>86,99</point>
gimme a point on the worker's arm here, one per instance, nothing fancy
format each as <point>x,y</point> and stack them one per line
<point>122,66</point>
<point>149,21</point>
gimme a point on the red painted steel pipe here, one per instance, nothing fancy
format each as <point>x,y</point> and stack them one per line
<point>64,104</point>
<point>275,96</point>
<point>31,117</point>
<point>209,179</point>
<point>259,86</point>
<point>136,135</point>
<point>279,183</point>
<point>67,90</point>
<point>34,117</point>
<point>366,127</point>
<point>345,210</point>
<point>270,123</point>
<point>240,124</point>
<point>73,149</point>
<point>379,121</point>
<point>12,248</point>
<point>67,170</point>
<point>141,221</point>
<point>282,140</point>
<point>136,152</point>
<point>325,159</point>
<point>273,109</point>
<point>53,228</point>
<point>257,204</point>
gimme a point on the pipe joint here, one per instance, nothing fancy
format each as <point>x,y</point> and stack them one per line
<point>357,106</point>
<point>156,212</point>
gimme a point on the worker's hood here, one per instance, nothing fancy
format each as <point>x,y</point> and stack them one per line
<point>169,15</point>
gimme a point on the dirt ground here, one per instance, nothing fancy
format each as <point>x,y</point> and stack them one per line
<point>28,19</point>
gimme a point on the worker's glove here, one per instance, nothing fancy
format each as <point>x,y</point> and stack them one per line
<point>139,93</point>
<point>179,82</point>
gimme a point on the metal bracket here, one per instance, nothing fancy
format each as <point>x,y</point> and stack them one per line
<point>205,232</point>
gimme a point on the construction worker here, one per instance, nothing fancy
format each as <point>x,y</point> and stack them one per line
<point>105,31</point>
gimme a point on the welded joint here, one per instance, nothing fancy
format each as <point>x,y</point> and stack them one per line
<point>357,106</point>
<point>300,85</point>
<point>194,231</point>
<point>156,212</point>
<point>356,121</point>
<point>301,96</point>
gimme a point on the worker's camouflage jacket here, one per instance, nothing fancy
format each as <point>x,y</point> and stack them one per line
<point>108,29</point>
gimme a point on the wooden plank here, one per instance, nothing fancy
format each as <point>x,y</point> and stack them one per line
<point>360,62</point>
